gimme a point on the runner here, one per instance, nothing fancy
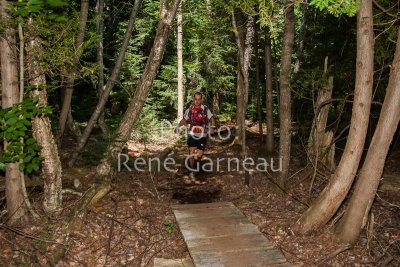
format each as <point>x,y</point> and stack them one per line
<point>198,116</point>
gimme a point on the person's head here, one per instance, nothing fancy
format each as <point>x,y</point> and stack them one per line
<point>197,98</point>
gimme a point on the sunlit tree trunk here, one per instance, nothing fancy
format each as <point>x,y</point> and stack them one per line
<point>168,11</point>
<point>66,103</point>
<point>216,102</point>
<point>16,208</point>
<point>244,42</point>
<point>41,127</point>
<point>109,86</point>
<point>325,206</point>
<point>268,92</point>
<point>180,64</point>
<point>356,214</point>
<point>285,112</point>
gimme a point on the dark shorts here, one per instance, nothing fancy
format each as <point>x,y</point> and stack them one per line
<point>199,143</point>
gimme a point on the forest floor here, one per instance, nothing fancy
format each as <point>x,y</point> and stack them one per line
<point>134,223</point>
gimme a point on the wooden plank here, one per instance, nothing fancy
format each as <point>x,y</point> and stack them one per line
<point>238,259</point>
<point>218,234</point>
<point>213,205</point>
<point>216,227</point>
<point>160,262</point>
<point>207,212</point>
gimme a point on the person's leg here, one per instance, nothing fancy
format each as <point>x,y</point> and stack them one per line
<point>192,156</point>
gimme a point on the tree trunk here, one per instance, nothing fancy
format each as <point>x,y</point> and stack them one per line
<point>66,103</point>
<point>285,98</point>
<point>109,86</point>
<point>318,147</point>
<point>180,64</point>
<point>167,16</point>
<point>300,48</point>
<point>356,214</point>
<point>258,90</point>
<point>332,196</point>
<point>268,92</point>
<point>100,85</point>
<point>217,102</point>
<point>245,48</point>
<point>41,127</point>
<point>16,209</point>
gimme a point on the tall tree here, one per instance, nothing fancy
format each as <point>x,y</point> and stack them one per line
<point>168,11</point>
<point>244,41</point>
<point>16,209</point>
<point>258,89</point>
<point>268,92</point>
<point>66,103</point>
<point>109,86</point>
<point>319,142</point>
<point>332,196</point>
<point>181,90</point>
<point>285,111</point>
<point>41,126</point>
<point>100,72</point>
<point>356,214</point>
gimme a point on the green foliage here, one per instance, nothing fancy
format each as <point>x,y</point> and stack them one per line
<point>51,8</point>
<point>169,226</point>
<point>15,126</point>
<point>337,8</point>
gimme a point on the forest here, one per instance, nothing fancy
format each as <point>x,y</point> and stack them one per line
<point>299,109</point>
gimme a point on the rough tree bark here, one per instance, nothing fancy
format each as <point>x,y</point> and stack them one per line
<point>217,101</point>
<point>109,86</point>
<point>66,103</point>
<point>244,44</point>
<point>285,113</point>
<point>41,127</point>
<point>268,93</point>
<point>180,63</point>
<point>167,15</point>
<point>325,206</point>
<point>356,214</point>
<point>16,209</point>
<point>258,89</point>
<point>319,141</point>
<point>100,73</point>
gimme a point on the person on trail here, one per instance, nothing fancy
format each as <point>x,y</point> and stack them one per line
<point>197,116</point>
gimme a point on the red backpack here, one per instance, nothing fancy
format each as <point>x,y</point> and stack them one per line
<point>198,116</point>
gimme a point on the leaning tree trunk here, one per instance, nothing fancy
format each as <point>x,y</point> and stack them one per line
<point>16,209</point>
<point>285,98</point>
<point>167,16</point>
<point>109,86</point>
<point>245,48</point>
<point>41,127</point>
<point>66,103</point>
<point>356,214</point>
<point>322,210</point>
<point>180,63</point>
<point>268,92</point>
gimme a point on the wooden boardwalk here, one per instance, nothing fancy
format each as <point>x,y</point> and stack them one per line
<point>218,234</point>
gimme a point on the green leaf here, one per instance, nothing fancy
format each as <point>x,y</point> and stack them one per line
<point>2,166</point>
<point>56,3</point>
<point>21,167</point>
<point>11,121</point>
<point>27,159</point>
